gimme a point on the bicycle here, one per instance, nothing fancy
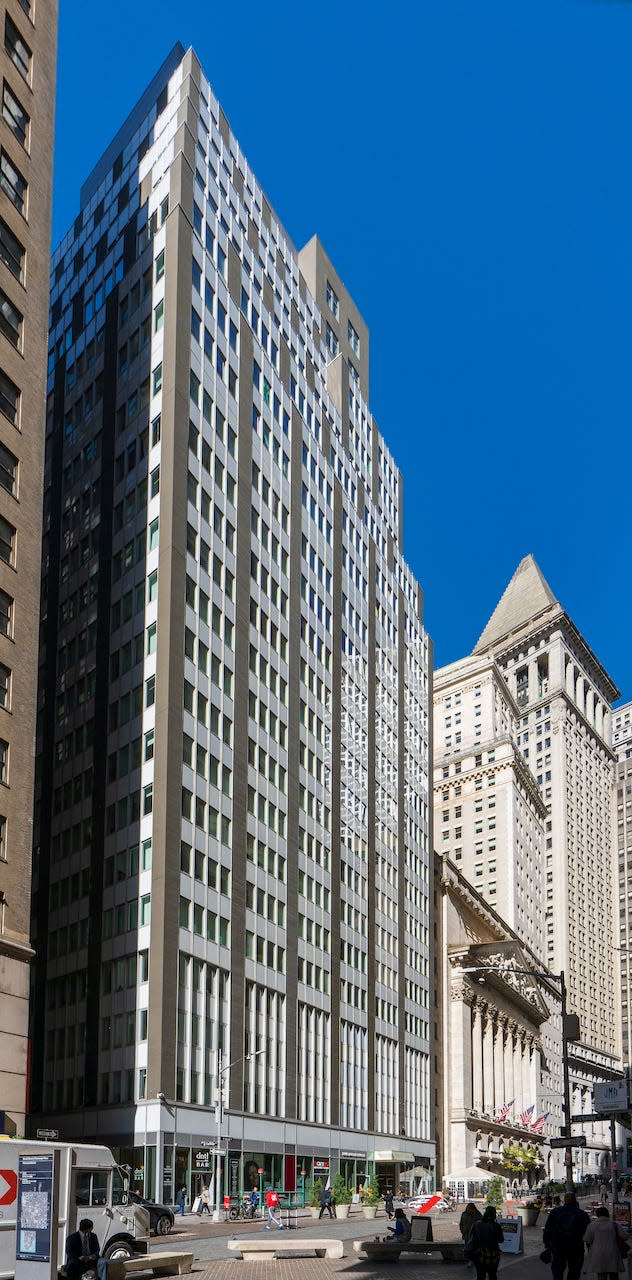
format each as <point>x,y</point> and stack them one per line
<point>246,1212</point>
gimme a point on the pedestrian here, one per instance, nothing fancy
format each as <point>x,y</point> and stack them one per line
<point>470,1216</point>
<point>254,1202</point>
<point>205,1202</point>
<point>272,1205</point>
<point>181,1200</point>
<point>388,1202</point>
<point>82,1251</point>
<point>604,1241</point>
<point>485,1240</point>
<point>325,1202</point>
<point>563,1236</point>
<point>402,1229</point>
<point>603,1194</point>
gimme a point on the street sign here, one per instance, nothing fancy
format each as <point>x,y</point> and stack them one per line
<point>610,1095</point>
<point>578,1140</point>
<point>48,1135</point>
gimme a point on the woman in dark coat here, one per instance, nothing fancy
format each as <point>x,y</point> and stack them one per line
<point>470,1216</point>
<point>486,1238</point>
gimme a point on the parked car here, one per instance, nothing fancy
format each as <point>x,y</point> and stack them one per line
<point>160,1215</point>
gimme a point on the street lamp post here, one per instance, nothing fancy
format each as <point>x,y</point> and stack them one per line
<point>219,1115</point>
<point>569,1024</point>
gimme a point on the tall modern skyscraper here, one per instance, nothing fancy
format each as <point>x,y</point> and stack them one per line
<point>564,697</point>
<point>26,150</point>
<point>234,831</point>
<point>622,745</point>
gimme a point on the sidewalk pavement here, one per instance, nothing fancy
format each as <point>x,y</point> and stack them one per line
<point>212,1261</point>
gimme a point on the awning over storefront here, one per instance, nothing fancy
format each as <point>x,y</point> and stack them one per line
<point>393,1157</point>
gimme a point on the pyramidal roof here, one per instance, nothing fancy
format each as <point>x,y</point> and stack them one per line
<point>527,595</point>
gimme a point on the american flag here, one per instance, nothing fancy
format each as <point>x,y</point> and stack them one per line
<point>504,1111</point>
<point>524,1118</point>
<point>538,1124</point>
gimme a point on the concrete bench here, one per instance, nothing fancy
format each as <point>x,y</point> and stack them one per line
<point>277,1246</point>
<point>158,1264</point>
<point>450,1250</point>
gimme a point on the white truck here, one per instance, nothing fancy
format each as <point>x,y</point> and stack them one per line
<point>46,1188</point>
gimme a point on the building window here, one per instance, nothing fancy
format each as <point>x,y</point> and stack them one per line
<point>6,614</point>
<point>16,117</point>
<point>17,48</point>
<point>3,839</point>
<point>9,399</point>
<point>354,340</point>
<point>4,761</point>
<point>332,301</point>
<point>10,321</point>
<point>7,541</point>
<point>5,687</point>
<point>8,471</point>
<point>333,345</point>
<point>11,251</point>
<point>12,183</point>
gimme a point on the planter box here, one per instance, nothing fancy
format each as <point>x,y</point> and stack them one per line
<point>529,1216</point>
<point>315,1211</point>
<point>369,1210</point>
<point>342,1210</point>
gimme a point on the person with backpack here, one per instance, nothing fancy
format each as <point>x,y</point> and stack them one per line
<point>484,1244</point>
<point>606,1246</point>
<point>325,1202</point>
<point>563,1235</point>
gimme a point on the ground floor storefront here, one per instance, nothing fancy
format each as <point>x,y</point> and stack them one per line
<point>176,1146</point>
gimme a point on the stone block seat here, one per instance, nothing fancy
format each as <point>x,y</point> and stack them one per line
<point>278,1245</point>
<point>157,1264</point>
<point>384,1250</point>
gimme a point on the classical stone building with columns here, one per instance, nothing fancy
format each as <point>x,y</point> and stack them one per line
<point>498,1052</point>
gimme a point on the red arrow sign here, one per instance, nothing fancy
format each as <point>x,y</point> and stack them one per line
<point>8,1186</point>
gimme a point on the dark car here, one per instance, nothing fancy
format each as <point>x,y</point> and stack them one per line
<point>160,1215</point>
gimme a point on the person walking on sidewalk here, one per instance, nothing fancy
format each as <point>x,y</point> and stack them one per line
<point>603,1240</point>
<point>272,1205</point>
<point>181,1200</point>
<point>485,1240</point>
<point>388,1202</point>
<point>563,1235</point>
<point>325,1202</point>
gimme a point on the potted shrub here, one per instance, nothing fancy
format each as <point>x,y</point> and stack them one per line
<point>371,1197</point>
<point>314,1198</point>
<point>529,1211</point>
<point>496,1192</point>
<point>341,1195</point>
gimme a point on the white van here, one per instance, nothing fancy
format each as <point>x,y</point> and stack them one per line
<point>46,1188</point>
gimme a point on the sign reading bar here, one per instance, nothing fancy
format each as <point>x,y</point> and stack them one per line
<point>578,1140</point>
<point>35,1203</point>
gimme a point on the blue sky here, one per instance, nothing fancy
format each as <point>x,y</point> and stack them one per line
<point>467,165</point>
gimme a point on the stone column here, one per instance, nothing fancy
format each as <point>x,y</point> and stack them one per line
<point>533,680</point>
<point>510,1086</point>
<point>499,1072</point>
<point>488,1061</point>
<point>477,1056</point>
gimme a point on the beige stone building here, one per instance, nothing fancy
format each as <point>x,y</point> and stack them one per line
<point>494,1041</point>
<point>564,733</point>
<point>488,810</point>
<point>26,149</point>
